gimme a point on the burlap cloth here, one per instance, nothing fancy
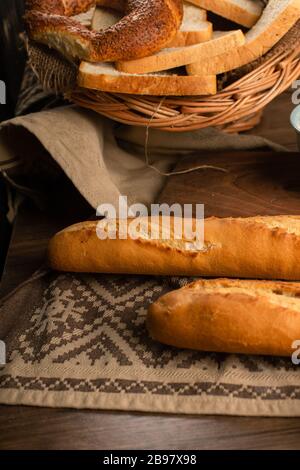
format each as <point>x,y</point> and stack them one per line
<point>80,340</point>
<point>103,160</point>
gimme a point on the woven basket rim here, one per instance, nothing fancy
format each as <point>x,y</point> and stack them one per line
<point>236,107</point>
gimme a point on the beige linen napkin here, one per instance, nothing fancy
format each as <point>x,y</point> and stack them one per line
<point>87,148</point>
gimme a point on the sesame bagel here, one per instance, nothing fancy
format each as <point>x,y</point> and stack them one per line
<point>60,7</point>
<point>147,26</point>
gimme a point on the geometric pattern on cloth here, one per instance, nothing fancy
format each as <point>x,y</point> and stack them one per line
<point>81,341</point>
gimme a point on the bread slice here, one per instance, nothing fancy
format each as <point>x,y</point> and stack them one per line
<point>278,17</point>
<point>254,247</point>
<point>187,37</point>
<point>176,57</point>
<point>105,77</point>
<point>231,316</point>
<point>243,12</point>
<point>194,28</point>
<point>191,12</point>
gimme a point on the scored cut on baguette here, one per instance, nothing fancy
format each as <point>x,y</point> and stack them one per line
<point>178,56</point>
<point>230,316</point>
<point>277,19</point>
<point>243,12</point>
<point>254,247</point>
<point>194,27</point>
<point>105,77</point>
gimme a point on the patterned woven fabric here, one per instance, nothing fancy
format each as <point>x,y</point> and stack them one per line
<point>80,341</point>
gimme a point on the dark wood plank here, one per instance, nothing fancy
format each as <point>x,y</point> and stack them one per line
<point>275,124</point>
<point>33,229</point>
<point>33,428</point>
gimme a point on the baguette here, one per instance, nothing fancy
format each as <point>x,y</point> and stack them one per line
<point>176,57</point>
<point>277,19</point>
<point>230,316</point>
<point>243,12</point>
<point>105,77</point>
<point>255,247</point>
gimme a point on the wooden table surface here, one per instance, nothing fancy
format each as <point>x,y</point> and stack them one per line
<point>256,183</point>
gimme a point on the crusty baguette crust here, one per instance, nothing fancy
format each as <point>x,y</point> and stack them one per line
<point>255,247</point>
<point>147,27</point>
<point>231,316</point>
<point>95,76</point>
<point>232,11</point>
<point>255,45</point>
<point>177,57</point>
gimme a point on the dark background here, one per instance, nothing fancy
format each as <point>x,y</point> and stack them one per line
<point>12,61</point>
<point>12,54</point>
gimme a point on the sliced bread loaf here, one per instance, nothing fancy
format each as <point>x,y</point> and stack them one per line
<point>176,57</point>
<point>287,43</point>
<point>105,77</point>
<point>194,28</point>
<point>243,12</point>
<point>278,17</point>
<point>187,36</point>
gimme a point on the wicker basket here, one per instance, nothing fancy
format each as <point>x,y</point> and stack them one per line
<point>236,108</point>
